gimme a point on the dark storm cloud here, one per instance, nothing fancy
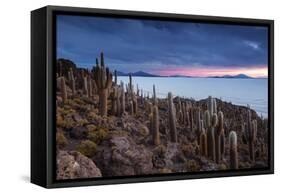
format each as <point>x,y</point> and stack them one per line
<point>133,45</point>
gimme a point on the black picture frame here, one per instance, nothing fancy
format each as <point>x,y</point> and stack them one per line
<point>43,99</point>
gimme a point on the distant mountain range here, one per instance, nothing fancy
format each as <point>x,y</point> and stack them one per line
<point>242,76</point>
<point>144,74</point>
<point>137,74</point>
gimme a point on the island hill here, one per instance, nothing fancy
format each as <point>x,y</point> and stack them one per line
<point>106,128</point>
<point>144,74</point>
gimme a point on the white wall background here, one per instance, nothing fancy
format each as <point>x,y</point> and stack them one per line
<point>15,95</point>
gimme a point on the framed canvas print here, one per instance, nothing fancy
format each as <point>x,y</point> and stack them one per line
<point>125,96</point>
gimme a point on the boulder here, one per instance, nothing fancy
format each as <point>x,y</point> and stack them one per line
<point>78,132</point>
<point>72,165</point>
<point>121,156</point>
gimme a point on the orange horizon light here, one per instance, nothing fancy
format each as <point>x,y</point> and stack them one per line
<point>254,72</point>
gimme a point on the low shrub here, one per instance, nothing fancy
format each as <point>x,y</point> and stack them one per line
<point>87,148</point>
<point>187,149</point>
<point>192,165</point>
<point>61,140</point>
<point>97,134</point>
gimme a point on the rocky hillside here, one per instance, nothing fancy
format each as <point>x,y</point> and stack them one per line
<point>109,129</point>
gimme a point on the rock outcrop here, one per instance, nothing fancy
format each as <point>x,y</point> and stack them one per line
<point>121,156</point>
<point>71,165</point>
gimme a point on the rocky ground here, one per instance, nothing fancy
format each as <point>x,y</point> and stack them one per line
<point>119,146</point>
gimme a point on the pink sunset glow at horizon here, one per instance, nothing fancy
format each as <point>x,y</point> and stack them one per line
<point>255,71</point>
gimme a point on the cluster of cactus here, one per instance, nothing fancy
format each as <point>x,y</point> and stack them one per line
<point>214,124</point>
<point>210,121</point>
<point>172,118</point>
<point>103,80</point>
<point>184,111</point>
<point>250,134</point>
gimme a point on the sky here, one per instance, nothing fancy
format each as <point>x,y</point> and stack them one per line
<point>164,47</point>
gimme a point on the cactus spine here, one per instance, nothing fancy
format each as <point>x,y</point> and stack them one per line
<point>233,150</point>
<point>103,79</point>
<point>172,118</point>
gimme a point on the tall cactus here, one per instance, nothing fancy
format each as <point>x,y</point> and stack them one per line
<point>233,150</point>
<point>63,89</point>
<point>122,99</point>
<point>187,118</point>
<point>135,103</point>
<point>180,113</point>
<point>103,79</point>
<point>118,102</point>
<point>172,118</point>
<point>90,87</point>
<point>154,96</point>
<point>199,125</point>
<point>184,112</point>
<point>155,126</point>
<point>115,77</point>
<point>114,99</point>
<point>138,90</point>
<point>203,143</point>
<point>85,86</point>
<point>131,107</point>
<point>218,135</point>
<point>212,105</point>
<point>141,97</point>
<point>251,134</point>
<point>72,81</point>
<point>130,88</point>
<point>191,118</point>
<point>210,123</point>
